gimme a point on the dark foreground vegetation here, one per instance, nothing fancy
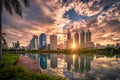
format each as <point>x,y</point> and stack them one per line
<point>10,71</point>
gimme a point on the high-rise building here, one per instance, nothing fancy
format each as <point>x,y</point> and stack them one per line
<point>31,44</point>
<point>69,40</point>
<point>69,43</point>
<point>82,39</point>
<point>88,36</point>
<point>16,45</point>
<point>65,45</point>
<point>68,35</point>
<point>35,37</point>
<point>89,44</point>
<point>76,39</point>
<point>53,42</point>
<point>42,41</point>
<point>34,43</point>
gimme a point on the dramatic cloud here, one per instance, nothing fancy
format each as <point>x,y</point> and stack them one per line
<point>102,17</point>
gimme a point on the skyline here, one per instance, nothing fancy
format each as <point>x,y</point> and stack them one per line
<point>50,17</point>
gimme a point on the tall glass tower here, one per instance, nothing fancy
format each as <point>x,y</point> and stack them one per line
<point>42,41</point>
<point>34,43</point>
<point>88,36</point>
<point>68,35</point>
<point>82,39</point>
<point>76,36</point>
<point>69,40</point>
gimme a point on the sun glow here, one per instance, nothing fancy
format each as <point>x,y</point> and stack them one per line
<point>73,46</point>
<point>74,56</point>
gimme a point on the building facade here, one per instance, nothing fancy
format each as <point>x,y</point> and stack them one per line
<point>69,40</point>
<point>88,36</point>
<point>16,45</point>
<point>42,41</point>
<point>34,43</point>
<point>53,42</point>
<point>82,39</point>
<point>76,36</point>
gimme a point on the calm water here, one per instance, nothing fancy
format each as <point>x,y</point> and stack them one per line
<point>74,67</point>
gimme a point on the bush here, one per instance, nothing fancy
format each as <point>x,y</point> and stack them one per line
<point>8,60</point>
<point>14,73</point>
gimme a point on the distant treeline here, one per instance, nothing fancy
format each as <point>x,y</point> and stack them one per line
<point>71,51</point>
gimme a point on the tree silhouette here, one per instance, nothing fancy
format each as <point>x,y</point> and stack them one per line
<point>10,6</point>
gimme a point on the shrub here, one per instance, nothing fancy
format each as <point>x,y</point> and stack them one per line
<point>8,60</point>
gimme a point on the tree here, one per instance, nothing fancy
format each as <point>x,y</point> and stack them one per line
<point>10,6</point>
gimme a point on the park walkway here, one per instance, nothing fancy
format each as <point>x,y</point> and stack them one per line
<point>29,64</point>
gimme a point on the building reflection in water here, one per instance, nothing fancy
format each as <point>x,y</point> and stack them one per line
<point>80,63</point>
<point>76,63</point>
<point>53,60</point>
<point>32,56</point>
<point>74,67</point>
<point>43,61</point>
<point>85,63</point>
<point>69,61</point>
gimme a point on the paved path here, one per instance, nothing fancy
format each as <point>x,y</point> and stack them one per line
<point>29,64</point>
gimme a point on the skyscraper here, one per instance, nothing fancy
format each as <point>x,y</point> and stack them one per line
<point>76,39</point>
<point>88,36</point>
<point>69,40</point>
<point>68,35</point>
<point>89,44</point>
<point>34,43</point>
<point>42,41</point>
<point>35,37</point>
<point>53,42</point>
<point>82,39</point>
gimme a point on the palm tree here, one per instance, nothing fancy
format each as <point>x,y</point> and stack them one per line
<point>10,5</point>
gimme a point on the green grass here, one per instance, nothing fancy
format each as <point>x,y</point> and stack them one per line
<point>8,60</point>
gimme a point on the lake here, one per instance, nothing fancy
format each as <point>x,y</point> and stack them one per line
<point>76,67</point>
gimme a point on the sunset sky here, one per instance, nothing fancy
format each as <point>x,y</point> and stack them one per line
<point>102,17</point>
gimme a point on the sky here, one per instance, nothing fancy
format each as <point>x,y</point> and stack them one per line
<point>101,17</point>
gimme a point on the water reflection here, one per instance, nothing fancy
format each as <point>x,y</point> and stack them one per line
<point>53,60</point>
<point>43,61</point>
<point>74,67</point>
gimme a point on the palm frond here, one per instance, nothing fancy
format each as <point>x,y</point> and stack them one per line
<point>7,5</point>
<point>17,7</point>
<point>26,2</point>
